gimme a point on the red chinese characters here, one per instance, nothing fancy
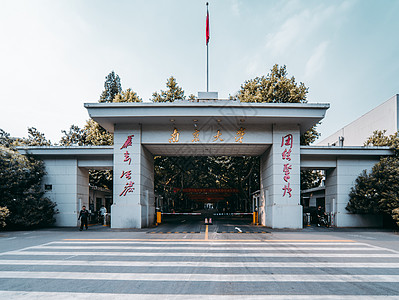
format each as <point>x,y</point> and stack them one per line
<point>286,154</point>
<point>128,142</point>
<point>286,170</point>
<point>127,174</point>
<point>287,190</point>
<point>128,188</point>
<point>127,157</point>
<point>287,143</point>
<point>287,140</point>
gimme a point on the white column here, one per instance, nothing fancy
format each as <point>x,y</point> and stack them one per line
<point>147,198</point>
<point>280,179</point>
<point>133,180</point>
<point>126,208</point>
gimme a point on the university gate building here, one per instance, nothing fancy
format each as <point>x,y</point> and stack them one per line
<point>270,131</point>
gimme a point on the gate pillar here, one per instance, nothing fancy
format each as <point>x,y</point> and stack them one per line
<point>280,179</point>
<point>134,202</point>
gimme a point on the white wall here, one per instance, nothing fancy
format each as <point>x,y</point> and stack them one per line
<point>70,189</point>
<point>160,134</point>
<point>339,182</point>
<point>383,117</point>
<point>82,177</point>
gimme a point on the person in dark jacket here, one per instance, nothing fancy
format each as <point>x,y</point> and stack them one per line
<point>320,214</point>
<point>83,216</point>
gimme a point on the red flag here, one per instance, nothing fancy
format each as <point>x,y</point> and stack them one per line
<point>208,36</point>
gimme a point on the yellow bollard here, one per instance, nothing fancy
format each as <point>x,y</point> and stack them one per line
<point>255,218</point>
<point>159,217</point>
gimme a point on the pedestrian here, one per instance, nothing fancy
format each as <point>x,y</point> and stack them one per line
<point>83,217</point>
<point>320,213</point>
<point>103,212</point>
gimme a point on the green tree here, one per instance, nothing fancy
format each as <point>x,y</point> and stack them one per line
<point>192,98</point>
<point>380,139</point>
<point>74,137</point>
<point>4,213</point>
<point>395,215</point>
<point>311,179</point>
<point>309,136</point>
<point>36,138</point>
<point>127,96</point>
<point>377,191</point>
<point>112,87</point>
<point>275,87</point>
<point>5,139</point>
<point>96,135</point>
<point>364,196</point>
<point>21,191</point>
<point>172,93</point>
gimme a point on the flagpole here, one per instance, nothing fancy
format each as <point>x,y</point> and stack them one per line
<point>207,53</point>
<point>207,70</point>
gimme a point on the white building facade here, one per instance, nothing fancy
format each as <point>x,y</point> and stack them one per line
<point>383,117</point>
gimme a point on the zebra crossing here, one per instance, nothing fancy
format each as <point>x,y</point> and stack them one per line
<point>200,269</point>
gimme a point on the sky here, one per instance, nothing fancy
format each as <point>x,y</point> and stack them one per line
<point>55,54</point>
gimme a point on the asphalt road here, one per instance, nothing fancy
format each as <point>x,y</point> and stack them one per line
<point>199,262</point>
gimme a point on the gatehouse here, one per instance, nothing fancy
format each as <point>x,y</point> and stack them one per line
<point>210,127</point>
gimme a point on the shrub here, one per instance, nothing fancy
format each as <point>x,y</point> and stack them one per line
<point>21,191</point>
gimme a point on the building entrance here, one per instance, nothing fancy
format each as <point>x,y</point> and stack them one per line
<point>204,188</point>
<point>143,131</point>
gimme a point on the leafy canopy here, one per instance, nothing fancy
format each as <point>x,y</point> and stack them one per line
<point>275,87</point>
<point>377,192</point>
<point>112,87</point>
<point>171,94</point>
<point>74,137</point>
<point>5,139</point>
<point>127,96</point>
<point>21,191</point>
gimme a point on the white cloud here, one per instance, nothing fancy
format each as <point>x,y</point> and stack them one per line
<point>316,61</point>
<point>235,8</point>
<point>302,27</point>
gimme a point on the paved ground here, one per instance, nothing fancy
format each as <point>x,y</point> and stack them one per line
<point>101,263</point>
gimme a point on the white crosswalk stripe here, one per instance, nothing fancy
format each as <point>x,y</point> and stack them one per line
<point>204,254</point>
<point>102,296</point>
<point>199,264</point>
<point>178,269</point>
<point>102,247</point>
<point>200,277</point>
